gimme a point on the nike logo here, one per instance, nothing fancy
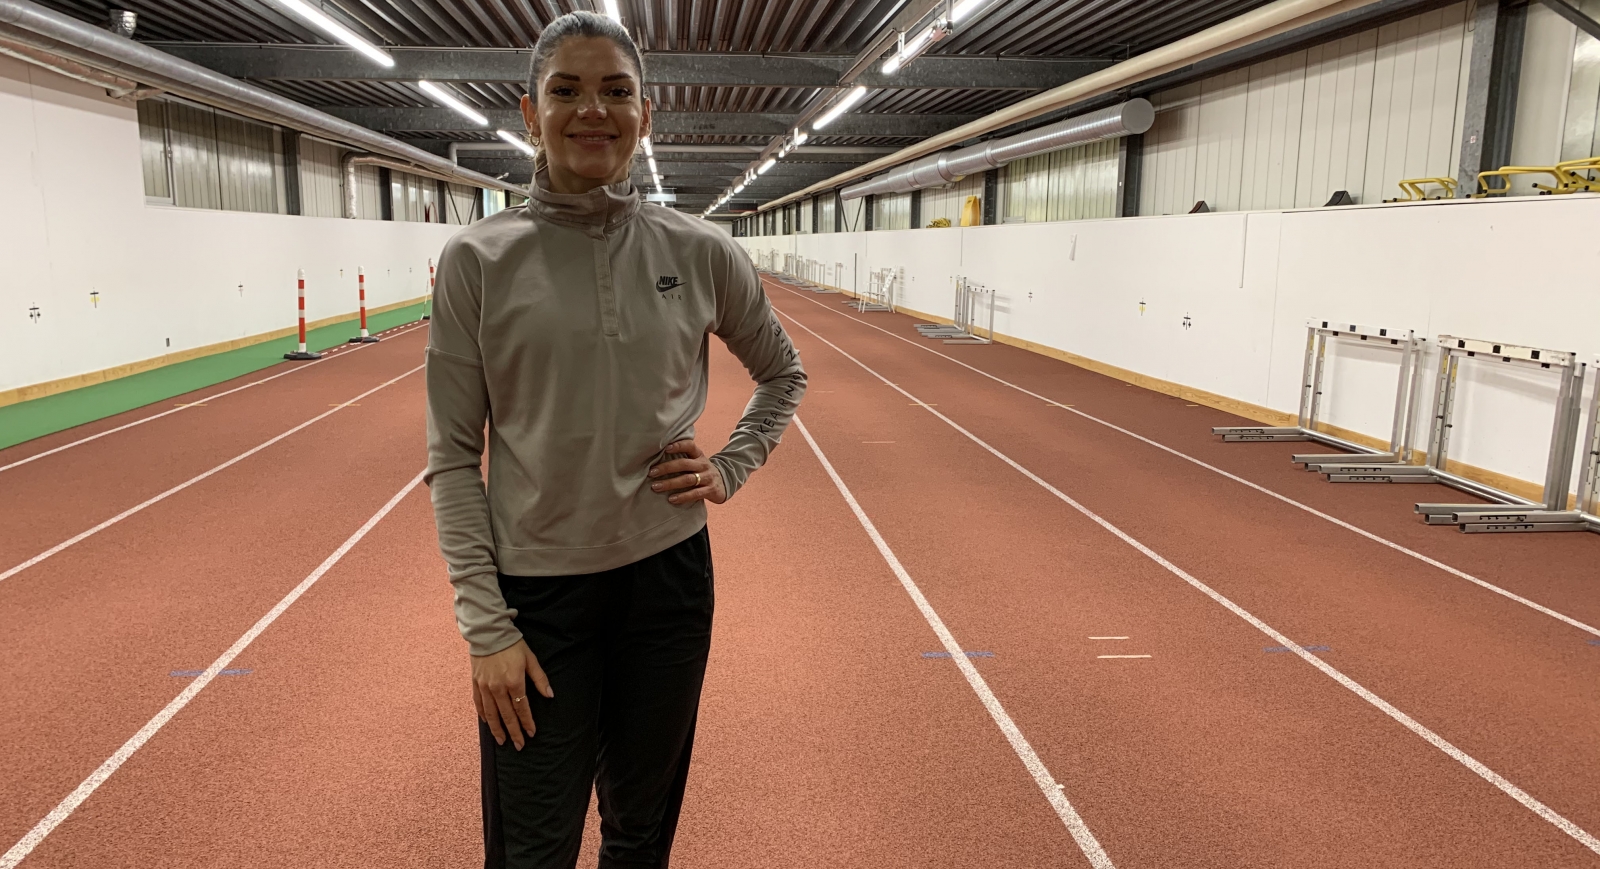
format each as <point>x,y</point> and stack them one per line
<point>667,282</point>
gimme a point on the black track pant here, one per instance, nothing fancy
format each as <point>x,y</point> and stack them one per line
<point>625,651</point>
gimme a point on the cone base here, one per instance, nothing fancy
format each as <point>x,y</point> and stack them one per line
<point>363,339</point>
<point>299,355</point>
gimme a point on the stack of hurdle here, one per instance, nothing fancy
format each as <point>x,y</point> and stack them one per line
<point>1506,512</point>
<point>880,292</point>
<point>974,304</point>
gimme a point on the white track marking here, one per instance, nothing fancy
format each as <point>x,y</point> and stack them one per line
<point>1431,562</point>
<point>199,403</point>
<point>1053,791</point>
<point>97,778</point>
<point>1406,721</point>
<point>192,480</point>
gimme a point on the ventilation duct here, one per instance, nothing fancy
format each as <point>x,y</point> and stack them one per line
<point>935,170</point>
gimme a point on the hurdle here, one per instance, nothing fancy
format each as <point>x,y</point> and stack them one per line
<point>1588,501</point>
<point>1509,513</point>
<point>1319,334</point>
<point>427,304</point>
<point>880,291</point>
<point>302,353</point>
<point>970,298</point>
<point>979,298</point>
<point>361,285</point>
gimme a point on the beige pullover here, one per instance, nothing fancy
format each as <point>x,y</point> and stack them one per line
<point>577,328</point>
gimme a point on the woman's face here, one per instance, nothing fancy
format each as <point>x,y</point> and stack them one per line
<point>589,115</point>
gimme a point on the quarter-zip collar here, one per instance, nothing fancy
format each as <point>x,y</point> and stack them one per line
<point>603,208</point>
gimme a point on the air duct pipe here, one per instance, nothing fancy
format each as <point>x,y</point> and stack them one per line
<point>935,170</point>
<point>37,27</point>
<point>116,86</point>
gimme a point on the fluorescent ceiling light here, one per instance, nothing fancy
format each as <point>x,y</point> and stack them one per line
<point>965,8</point>
<point>771,162</point>
<point>612,10</point>
<point>653,169</point>
<point>648,152</point>
<point>336,30</point>
<point>856,94</point>
<point>739,188</point>
<point>517,140</point>
<point>800,137</point>
<point>913,49</point>
<point>450,100</point>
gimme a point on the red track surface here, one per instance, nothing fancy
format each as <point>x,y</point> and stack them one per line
<point>826,737</point>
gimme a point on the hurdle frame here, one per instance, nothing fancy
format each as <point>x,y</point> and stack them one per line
<point>1319,334</point>
<point>1510,513</point>
<point>1588,499</point>
<point>880,291</point>
<point>957,327</point>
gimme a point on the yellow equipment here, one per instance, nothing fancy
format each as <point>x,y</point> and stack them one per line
<point>1414,192</point>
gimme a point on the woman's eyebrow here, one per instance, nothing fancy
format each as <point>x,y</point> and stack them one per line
<point>616,76</point>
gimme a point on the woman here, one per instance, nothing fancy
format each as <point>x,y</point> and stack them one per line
<point>576,329</point>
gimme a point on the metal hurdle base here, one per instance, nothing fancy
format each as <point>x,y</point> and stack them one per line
<point>297,355</point>
<point>363,339</point>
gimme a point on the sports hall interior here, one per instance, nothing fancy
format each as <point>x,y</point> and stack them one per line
<point>1199,465</point>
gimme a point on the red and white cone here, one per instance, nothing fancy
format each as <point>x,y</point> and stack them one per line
<point>427,304</point>
<point>363,338</point>
<point>301,353</point>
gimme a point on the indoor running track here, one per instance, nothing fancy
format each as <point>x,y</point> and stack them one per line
<point>903,672</point>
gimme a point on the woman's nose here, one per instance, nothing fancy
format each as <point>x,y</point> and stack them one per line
<point>592,109</point>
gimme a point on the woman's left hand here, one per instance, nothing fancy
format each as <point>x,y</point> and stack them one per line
<point>688,479</point>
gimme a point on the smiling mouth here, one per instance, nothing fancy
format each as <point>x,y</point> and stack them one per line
<point>593,139</point>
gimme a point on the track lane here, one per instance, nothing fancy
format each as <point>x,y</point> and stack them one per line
<point>71,491</point>
<point>1401,822</point>
<point>825,737</point>
<point>1503,563</point>
<point>93,634</point>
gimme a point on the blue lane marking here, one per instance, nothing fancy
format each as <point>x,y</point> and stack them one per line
<point>968,654</point>
<point>1594,642</point>
<point>1305,648</point>
<point>190,674</point>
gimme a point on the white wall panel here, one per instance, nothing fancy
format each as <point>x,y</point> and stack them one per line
<point>1358,114</point>
<point>1581,133</point>
<point>1069,184</point>
<point>892,211</point>
<point>1247,282</point>
<point>321,184</point>
<point>162,274</point>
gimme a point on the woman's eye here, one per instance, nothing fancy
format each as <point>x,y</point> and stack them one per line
<point>563,92</point>
<point>620,93</point>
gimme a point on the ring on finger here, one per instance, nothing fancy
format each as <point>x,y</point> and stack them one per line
<point>697,480</point>
<point>518,699</point>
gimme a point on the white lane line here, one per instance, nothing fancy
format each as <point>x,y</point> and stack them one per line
<point>1406,721</point>
<point>200,402</point>
<point>1431,562</point>
<point>97,778</point>
<point>1053,791</point>
<point>192,480</point>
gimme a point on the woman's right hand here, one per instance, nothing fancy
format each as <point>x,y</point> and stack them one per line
<point>499,691</point>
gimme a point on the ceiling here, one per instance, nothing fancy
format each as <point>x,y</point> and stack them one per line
<point>719,72</point>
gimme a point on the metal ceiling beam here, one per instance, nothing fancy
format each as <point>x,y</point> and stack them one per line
<point>705,69</point>
<point>666,123</point>
<point>721,173</point>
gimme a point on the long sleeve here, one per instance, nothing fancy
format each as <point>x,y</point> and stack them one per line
<point>458,408</point>
<point>750,328</point>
